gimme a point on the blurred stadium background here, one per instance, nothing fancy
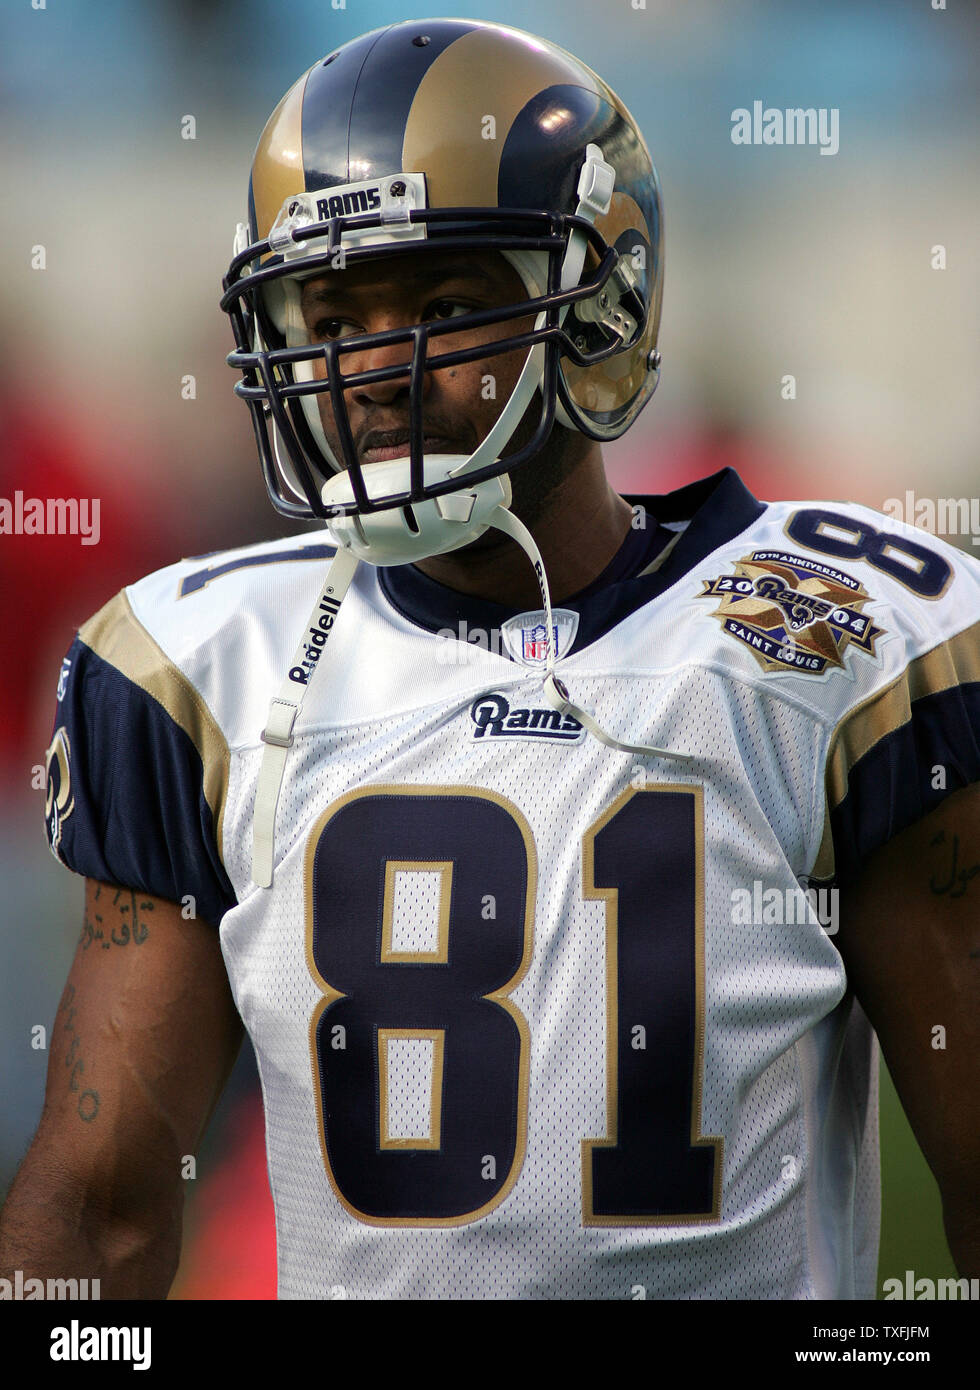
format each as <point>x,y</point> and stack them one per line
<point>779,260</point>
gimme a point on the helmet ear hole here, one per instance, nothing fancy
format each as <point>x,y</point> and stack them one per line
<point>604,399</point>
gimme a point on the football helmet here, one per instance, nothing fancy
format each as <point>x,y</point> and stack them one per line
<point>455,135</point>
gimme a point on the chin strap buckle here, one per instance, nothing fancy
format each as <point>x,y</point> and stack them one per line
<point>456,506</point>
<point>607,308</point>
<point>279,728</point>
<point>595,185</point>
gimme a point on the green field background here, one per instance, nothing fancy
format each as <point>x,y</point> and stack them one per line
<point>912,1234</point>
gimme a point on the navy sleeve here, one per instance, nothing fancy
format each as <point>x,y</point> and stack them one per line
<point>898,755</point>
<point>126,798</point>
<point>907,774</point>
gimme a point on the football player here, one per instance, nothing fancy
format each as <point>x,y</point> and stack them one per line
<point>555,848</point>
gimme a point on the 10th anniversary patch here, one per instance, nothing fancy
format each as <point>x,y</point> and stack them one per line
<point>792,613</point>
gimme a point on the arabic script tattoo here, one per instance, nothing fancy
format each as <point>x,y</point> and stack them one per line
<point>121,921</point>
<point>958,880</point>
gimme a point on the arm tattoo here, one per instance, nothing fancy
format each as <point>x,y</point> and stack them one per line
<point>953,878</point>
<point>127,920</point>
<point>88,1100</point>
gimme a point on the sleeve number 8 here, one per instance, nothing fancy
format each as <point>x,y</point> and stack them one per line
<point>916,566</point>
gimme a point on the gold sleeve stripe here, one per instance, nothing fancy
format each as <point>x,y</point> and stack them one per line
<point>444,130</point>
<point>954,662</point>
<point>118,637</point>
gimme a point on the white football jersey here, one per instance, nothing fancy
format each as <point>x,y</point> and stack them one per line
<point>534,1017</point>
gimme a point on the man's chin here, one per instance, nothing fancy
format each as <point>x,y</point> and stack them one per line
<point>492,539</point>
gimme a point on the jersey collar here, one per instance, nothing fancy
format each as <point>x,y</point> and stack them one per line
<point>705,514</point>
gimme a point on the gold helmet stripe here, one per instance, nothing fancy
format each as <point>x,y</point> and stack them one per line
<point>278,170</point>
<point>480,75</point>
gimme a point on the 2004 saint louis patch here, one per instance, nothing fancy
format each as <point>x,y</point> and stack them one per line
<point>793,614</point>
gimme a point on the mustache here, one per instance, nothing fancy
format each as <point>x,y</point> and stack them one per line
<point>392,436</point>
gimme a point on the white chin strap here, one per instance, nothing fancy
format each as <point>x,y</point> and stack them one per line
<point>284,709</point>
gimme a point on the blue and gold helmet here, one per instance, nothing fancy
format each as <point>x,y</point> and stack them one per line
<point>455,135</point>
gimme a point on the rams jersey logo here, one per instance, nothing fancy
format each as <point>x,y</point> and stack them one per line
<point>59,801</point>
<point>793,614</point>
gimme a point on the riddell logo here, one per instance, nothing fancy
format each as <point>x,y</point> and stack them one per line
<point>343,204</point>
<point>318,640</point>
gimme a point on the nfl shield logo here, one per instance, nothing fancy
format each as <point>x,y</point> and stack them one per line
<point>526,636</point>
<point>535,642</point>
